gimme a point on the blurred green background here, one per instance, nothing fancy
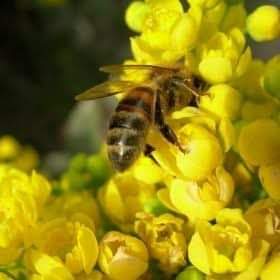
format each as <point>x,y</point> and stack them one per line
<point>51,50</point>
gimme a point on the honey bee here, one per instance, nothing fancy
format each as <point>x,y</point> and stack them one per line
<point>144,104</point>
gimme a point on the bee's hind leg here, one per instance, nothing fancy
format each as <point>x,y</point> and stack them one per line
<point>148,152</point>
<point>166,131</point>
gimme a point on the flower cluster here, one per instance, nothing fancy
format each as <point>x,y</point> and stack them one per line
<point>211,212</point>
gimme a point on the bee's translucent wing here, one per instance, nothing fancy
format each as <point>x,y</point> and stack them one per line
<point>105,89</point>
<point>113,69</point>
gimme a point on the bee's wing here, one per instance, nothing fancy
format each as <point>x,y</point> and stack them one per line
<point>113,69</point>
<point>105,89</point>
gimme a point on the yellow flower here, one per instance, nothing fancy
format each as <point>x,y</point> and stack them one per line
<point>271,76</point>
<point>271,269</point>
<point>259,142</point>
<point>235,17</point>
<point>74,243</point>
<point>123,197</point>
<point>223,101</point>
<point>77,207</point>
<point>22,198</point>
<point>250,83</point>
<point>45,267</point>
<point>122,256</point>
<point>223,247</point>
<point>9,148</point>
<point>213,13</point>
<point>260,250</point>
<point>136,14</point>
<point>203,152</point>
<point>166,31</point>
<point>270,178</point>
<point>146,171</point>
<point>223,58</point>
<point>165,238</point>
<point>264,219</point>
<point>264,23</point>
<point>199,200</point>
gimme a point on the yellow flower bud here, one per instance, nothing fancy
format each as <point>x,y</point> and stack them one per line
<point>9,147</point>
<point>264,23</point>
<point>223,247</point>
<point>270,178</point>
<point>223,100</point>
<point>123,197</point>
<point>271,78</point>
<point>122,256</point>
<point>264,217</point>
<point>165,239</point>
<point>259,142</point>
<point>199,200</point>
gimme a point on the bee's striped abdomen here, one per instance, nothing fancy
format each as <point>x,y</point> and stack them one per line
<point>129,126</point>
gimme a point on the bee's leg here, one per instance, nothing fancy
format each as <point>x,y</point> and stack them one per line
<point>166,131</point>
<point>148,152</point>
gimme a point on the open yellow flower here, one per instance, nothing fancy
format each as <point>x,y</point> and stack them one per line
<point>223,247</point>
<point>199,200</point>
<point>122,256</point>
<point>166,31</point>
<point>73,243</point>
<point>165,238</point>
